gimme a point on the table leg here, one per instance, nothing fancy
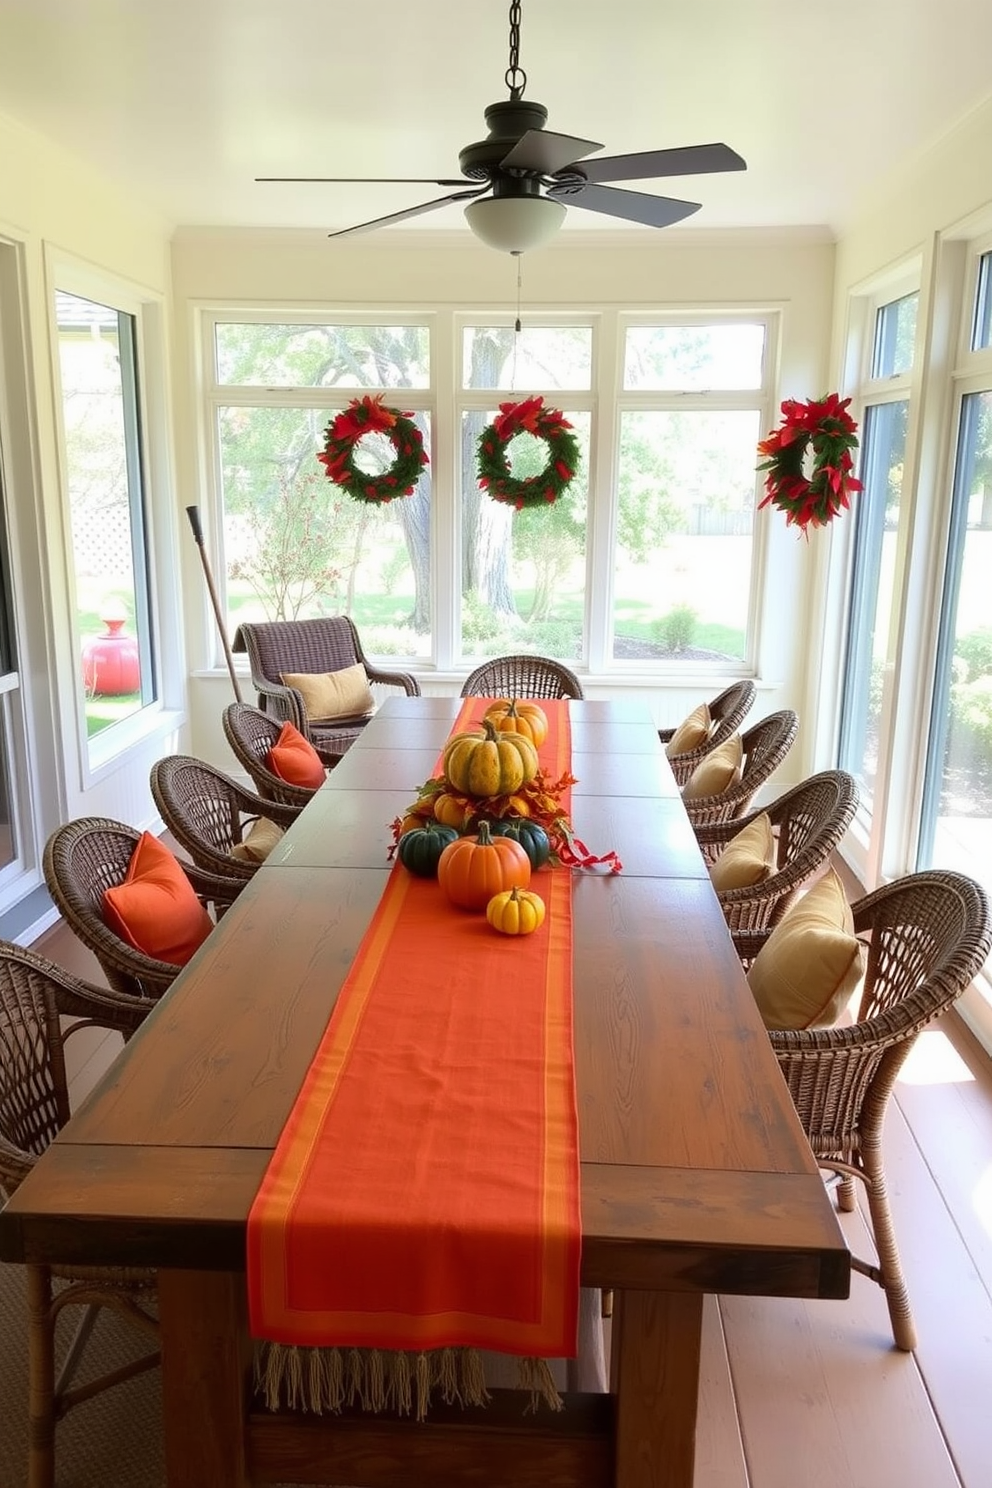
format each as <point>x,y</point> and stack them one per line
<point>206,1356</point>
<point>655,1377</point>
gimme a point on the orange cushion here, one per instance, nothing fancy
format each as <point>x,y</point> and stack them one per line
<point>295,760</point>
<point>155,909</point>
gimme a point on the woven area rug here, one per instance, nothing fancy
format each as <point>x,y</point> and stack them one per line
<point>115,1439</point>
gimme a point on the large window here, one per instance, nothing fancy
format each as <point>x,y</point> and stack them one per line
<point>957,814</point>
<point>646,559</point>
<point>104,464</point>
<point>883,453</point>
<point>296,545</point>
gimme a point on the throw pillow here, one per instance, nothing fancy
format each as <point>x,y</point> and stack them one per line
<point>691,732</point>
<point>295,760</point>
<point>717,772</point>
<point>155,909</point>
<point>809,966</point>
<point>748,858</point>
<point>329,696</point>
<point>258,843</point>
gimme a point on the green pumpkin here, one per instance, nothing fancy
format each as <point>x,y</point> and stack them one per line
<point>530,834</point>
<point>420,848</point>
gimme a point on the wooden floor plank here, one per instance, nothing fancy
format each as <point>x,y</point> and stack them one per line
<point>719,1449</point>
<point>951,1304</point>
<point>825,1399</point>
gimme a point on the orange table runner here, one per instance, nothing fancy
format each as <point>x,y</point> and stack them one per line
<point>424,1193</point>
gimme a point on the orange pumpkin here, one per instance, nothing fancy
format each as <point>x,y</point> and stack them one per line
<point>451,811</point>
<point>511,716</point>
<point>474,870</point>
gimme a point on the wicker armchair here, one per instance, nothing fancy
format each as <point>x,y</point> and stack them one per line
<point>727,711</point>
<point>765,746</point>
<point>808,822</point>
<point>35,995</point>
<point>522,677</point>
<point>84,857</point>
<point>208,813</point>
<point>327,644</point>
<point>928,935</point>
<point>251,734</point>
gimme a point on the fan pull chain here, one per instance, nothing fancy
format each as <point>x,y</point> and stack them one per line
<point>516,326</point>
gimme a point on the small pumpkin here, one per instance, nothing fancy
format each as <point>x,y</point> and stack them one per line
<point>489,763</point>
<point>451,811</point>
<point>473,869</point>
<point>530,834</point>
<point>515,912</point>
<point>512,716</point>
<point>420,849</point>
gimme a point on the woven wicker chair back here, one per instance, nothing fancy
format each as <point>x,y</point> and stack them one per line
<point>34,1098</point>
<point>522,677</point>
<point>251,734</point>
<point>326,644</point>
<point>208,813</point>
<point>765,745</point>
<point>809,823</point>
<point>727,712</point>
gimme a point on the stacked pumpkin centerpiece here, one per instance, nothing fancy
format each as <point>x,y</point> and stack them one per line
<point>474,826</point>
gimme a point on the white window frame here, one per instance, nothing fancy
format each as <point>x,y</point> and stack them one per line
<point>100,756</point>
<point>443,400</point>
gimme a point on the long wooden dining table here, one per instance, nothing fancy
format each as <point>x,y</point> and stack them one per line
<point>695,1174</point>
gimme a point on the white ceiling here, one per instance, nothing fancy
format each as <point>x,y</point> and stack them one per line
<point>184,102</point>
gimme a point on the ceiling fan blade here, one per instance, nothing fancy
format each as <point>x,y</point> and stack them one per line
<point>441,201</point>
<point>635,206</point>
<point>689,160</point>
<point>361,180</point>
<point>544,152</point>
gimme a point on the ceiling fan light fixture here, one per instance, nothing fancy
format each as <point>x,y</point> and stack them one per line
<point>515,224</point>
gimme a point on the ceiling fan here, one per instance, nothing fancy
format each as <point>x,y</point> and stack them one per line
<point>528,174</point>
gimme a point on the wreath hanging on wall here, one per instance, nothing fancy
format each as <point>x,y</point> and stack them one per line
<point>346,431</point>
<point>825,428</point>
<point>527,417</point>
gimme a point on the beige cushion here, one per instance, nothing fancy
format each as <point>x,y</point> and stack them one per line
<point>330,695</point>
<point>748,858</point>
<point>719,770</point>
<point>259,843</point>
<point>691,732</point>
<point>808,968</point>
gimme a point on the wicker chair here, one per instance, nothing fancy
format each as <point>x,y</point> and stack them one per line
<point>928,936</point>
<point>208,813</point>
<point>327,644</point>
<point>808,823</point>
<point>765,746</point>
<point>522,677</point>
<point>84,857</point>
<point>251,734</point>
<point>727,711</point>
<point>34,1106</point>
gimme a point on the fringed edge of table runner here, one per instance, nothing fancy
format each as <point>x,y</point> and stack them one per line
<point>380,1380</point>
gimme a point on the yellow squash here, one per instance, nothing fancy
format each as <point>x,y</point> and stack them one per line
<point>515,912</point>
<point>489,763</point>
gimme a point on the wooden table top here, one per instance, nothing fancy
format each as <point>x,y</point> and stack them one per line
<point>696,1174</point>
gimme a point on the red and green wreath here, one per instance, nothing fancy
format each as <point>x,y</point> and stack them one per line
<point>811,493</point>
<point>344,434</point>
<point>528,417</point>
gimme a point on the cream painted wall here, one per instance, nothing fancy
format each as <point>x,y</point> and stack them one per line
<point>305,271</point>
<point>54,208</point>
